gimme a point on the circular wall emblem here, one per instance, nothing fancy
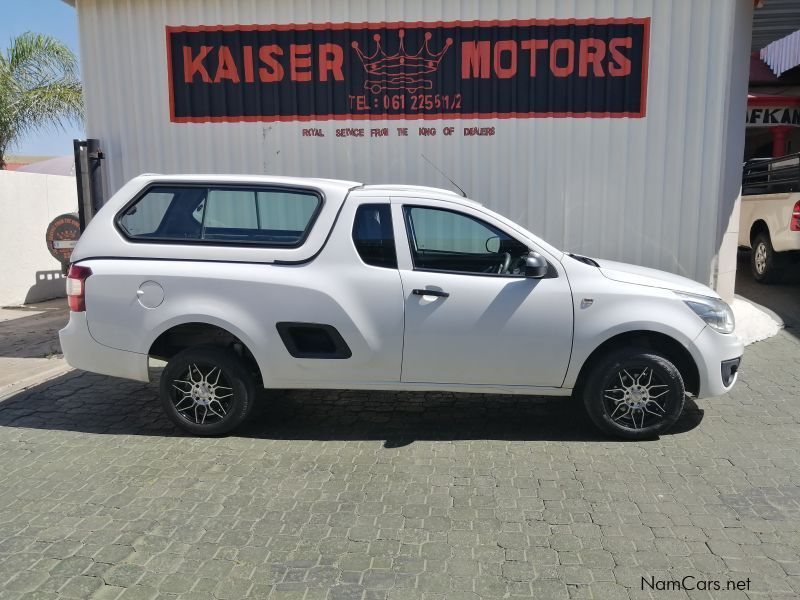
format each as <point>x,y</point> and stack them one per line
<point>62,235</point>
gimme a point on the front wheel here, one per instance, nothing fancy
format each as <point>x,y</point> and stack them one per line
<point>207,390</point>
<point>634,394</point>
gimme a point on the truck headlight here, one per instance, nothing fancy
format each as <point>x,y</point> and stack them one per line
<point>716,313</point>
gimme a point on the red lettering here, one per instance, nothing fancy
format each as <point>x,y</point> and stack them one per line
<point>532,46</point>
<point>470,131</point>
<point>331,58</point>
<point>555,47</point>
<point>509,46</point>
<point>622,64</point>
<point>195,65</point>
<point>475,59</point>
<point>358,102</point>
<point>592,51</point>
<point>248,64</point>
<point>350,132</point>
<point>273,70</point>
<point>299,58</point>
<point>226,68</point>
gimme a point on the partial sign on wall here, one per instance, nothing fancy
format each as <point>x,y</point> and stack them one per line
<point>62,236</point>
<point>769,116</point>
<point>479,69</point>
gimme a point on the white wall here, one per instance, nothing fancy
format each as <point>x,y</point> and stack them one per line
<point>724,272</point>
<point>658,191</point>
<point>28,202</point>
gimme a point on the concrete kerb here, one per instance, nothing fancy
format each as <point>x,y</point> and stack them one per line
<point>60,368</point>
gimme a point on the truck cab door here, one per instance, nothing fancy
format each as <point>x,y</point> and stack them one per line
<point>471,315</point>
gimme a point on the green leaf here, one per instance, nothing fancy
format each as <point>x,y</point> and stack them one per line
<point>40,88</point>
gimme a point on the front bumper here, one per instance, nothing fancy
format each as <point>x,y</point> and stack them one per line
<point>83,352</point>
<point>717,353</point>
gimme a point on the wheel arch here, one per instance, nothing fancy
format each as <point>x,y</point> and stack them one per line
<point>174,336</point>
<point>758,226</point>
<point>665,344</point>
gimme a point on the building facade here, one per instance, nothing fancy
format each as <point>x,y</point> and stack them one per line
<point>612,128</point>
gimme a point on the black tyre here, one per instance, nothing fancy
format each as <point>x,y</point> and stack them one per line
<point>763,261</point>
<point>207,390</point>
<point>634,394</point>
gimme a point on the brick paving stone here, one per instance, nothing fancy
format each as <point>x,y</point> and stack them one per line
<point>107,592</point>
<point>81,587</point>
<point>363,495</point>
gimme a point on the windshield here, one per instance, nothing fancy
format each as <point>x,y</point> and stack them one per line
<point>552,250</point>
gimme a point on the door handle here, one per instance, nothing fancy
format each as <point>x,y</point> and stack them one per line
<point>438,293</point>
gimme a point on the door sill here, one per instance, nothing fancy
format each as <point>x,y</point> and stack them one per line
<point>421,386</point>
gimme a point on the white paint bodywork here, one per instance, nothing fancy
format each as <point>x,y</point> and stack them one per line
<point>505,334</point>
<point>776,211</point>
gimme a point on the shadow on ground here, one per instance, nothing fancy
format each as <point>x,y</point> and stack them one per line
<point>32,331</point>
<point>782,298</point>
<point>91,403</point>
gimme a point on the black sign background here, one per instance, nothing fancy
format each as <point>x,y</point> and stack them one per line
<point>451,95</point>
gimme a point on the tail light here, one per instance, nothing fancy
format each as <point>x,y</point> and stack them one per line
<point>76,287</point>
<point>794,222</point>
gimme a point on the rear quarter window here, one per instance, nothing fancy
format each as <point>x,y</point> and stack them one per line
<point>221,214</point>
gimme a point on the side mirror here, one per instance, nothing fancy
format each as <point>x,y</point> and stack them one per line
<point>536,266</point>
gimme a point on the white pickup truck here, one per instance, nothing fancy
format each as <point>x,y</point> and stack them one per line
<point>242,283</point>
<point>769,222</point>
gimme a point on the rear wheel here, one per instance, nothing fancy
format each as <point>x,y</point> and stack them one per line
<point>634,394</point>
<point>207,390</point>
<point>763,261</point>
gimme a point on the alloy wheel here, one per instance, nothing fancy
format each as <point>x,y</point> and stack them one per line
<point>636,398</point>
<point>202,394</point>
<point>760,258</point>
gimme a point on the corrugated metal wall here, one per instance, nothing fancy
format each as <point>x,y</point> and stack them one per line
<point>656,191</point>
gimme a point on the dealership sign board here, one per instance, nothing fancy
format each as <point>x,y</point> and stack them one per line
<point>475,69</point>
<point>770,116</point>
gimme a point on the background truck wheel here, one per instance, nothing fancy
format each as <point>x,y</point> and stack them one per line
<point>634,394</point>
<point>207,390</point>
<point>763,261</point>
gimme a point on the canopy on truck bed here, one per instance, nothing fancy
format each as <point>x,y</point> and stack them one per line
<point>105,238</point>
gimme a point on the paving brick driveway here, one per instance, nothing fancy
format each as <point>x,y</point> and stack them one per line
<point>364,495</point>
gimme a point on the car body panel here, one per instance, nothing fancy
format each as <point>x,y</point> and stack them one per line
<point>494,334</point>
<point>498,330</point>
<point>776,211</point>
<point>84,352</point>
<point>627,273</point>
<point>606,308</point>
<point>249,299</point>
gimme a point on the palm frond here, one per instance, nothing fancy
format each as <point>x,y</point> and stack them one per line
<point>33,56</point>
<point>50,105</point>
<point>39,87</point>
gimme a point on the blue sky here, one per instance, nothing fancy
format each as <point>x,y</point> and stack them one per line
<point>55,18</point>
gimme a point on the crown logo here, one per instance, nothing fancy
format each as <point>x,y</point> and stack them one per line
<point>400,71</point>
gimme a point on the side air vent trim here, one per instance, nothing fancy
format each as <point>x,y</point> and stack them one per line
<point>313,340</point>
